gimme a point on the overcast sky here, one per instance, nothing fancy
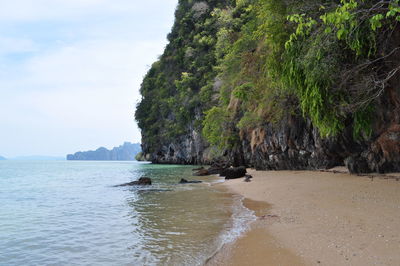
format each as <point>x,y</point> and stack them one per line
<point>70,71</point>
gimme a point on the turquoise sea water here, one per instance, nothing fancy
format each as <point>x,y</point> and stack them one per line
<point>69,213</point>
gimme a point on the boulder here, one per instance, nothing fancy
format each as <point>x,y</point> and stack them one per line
<point>184,181</point>
<point>214,170</point>
<point>357,165</point>
<point>224,172</point>
<point>247,178</point>
<point>201,172</point>
<point>235,172</point>
<point>143,181</point>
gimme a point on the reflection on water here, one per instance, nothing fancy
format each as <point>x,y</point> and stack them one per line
<point>69,213</point>
<point>181,223</point>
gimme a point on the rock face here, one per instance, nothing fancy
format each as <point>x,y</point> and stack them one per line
<point>382,155</point>
<point>125,152</point>
<point>188,149</point>
<point>294,144</point>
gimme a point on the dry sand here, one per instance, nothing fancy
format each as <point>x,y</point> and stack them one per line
<point>317,218</point>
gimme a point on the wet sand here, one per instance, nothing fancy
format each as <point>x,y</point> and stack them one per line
<point>317,218</point>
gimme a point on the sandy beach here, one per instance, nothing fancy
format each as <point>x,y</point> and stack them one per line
<point>317,218</point>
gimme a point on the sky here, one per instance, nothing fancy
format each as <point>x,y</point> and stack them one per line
<point>70,71</point>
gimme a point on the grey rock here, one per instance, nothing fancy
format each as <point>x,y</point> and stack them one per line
<point>184,181</point>
<point>202,172</point>
<point>143,181</point>
<point>235,172</point>
<point>294,143</point>
<point>357,165</point>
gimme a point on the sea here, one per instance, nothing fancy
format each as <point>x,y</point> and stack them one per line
<point>72,213</point>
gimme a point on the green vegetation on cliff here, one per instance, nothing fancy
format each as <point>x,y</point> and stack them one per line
<point>233,66</point>
<point>178,86</point>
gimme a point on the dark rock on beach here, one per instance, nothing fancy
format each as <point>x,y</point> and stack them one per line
<point>222,170</point>
<point>215,169</point>
<point>235,172</point>
<point>143,181</point>
<point>247,178</point>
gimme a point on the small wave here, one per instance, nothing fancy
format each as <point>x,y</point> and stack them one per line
<point>239,224</point>
<point>241,220</point>
<point>217,180</point>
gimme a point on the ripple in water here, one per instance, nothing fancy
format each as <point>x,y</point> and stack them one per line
<point>69,213</point>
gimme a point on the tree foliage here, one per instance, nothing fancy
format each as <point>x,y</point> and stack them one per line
<point>232,66</point>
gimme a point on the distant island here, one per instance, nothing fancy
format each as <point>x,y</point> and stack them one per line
<point>2,158</point>
<point>125,152</point>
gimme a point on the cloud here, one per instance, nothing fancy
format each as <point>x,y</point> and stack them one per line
<point>87,78</point>
<point>9,45</point>
<point>73,85</point>
<point>91,64</point>
<point>82,88</point>
<point>28,10</point>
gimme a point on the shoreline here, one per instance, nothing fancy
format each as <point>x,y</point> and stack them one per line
<point>254,245</point>
<point>316,218</point>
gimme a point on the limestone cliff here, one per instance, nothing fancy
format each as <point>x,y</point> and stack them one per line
<point>277,85</point>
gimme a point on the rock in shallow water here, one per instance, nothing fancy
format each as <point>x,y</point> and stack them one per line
<point>143,181</point>
<point>198,169</point>
<point>201,172</point>
<point>184,181</point>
